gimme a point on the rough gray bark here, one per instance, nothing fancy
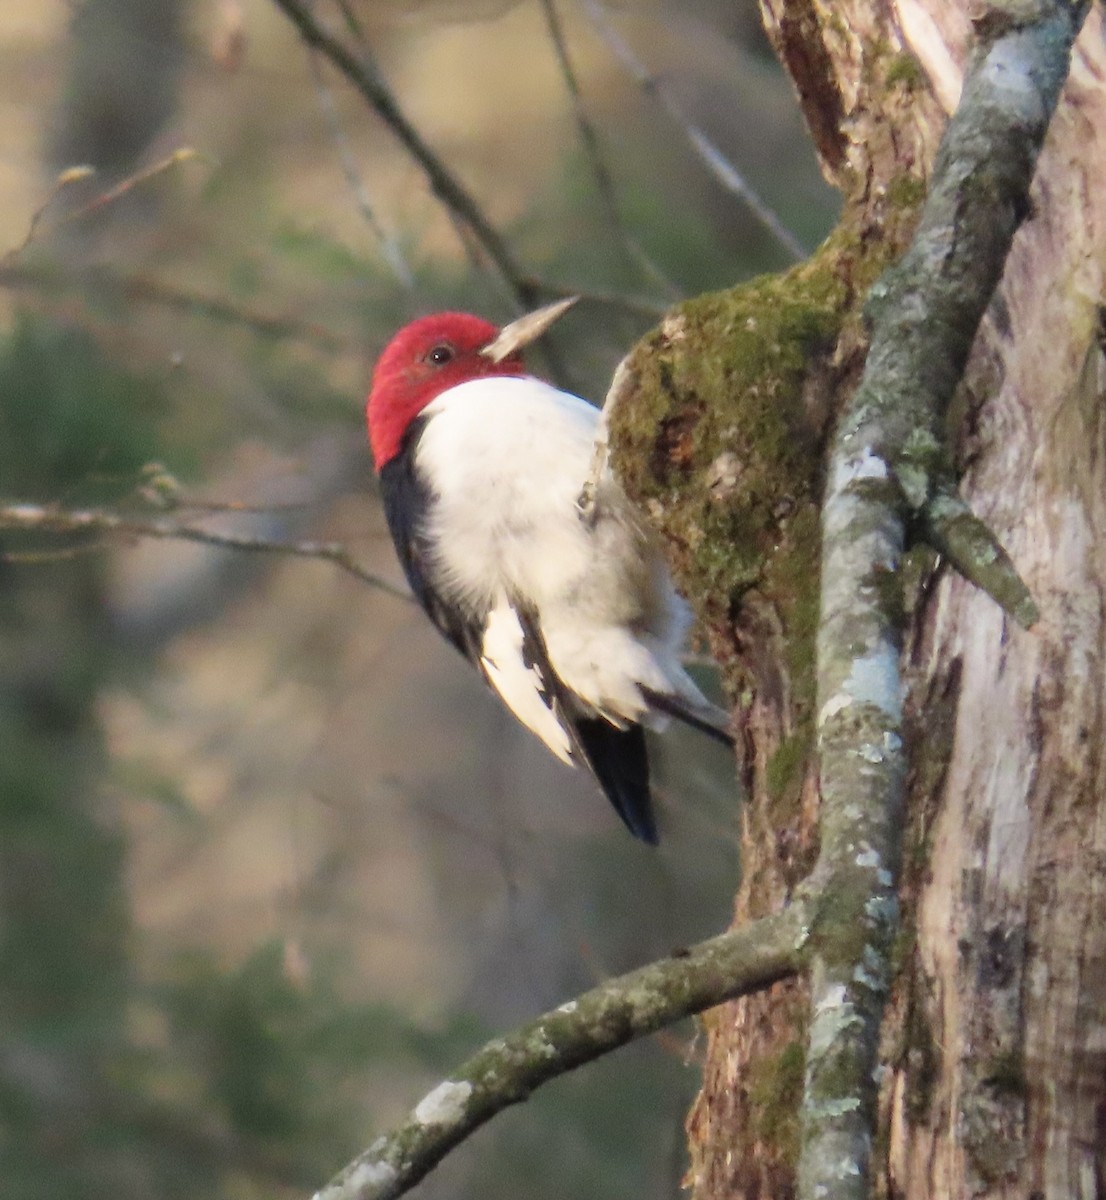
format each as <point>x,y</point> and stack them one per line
<point>993,1080</point>
<point>888,464</point>
<point>1007,980</point>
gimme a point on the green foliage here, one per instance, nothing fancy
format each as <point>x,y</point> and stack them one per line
<point>301,394</point>
<point>70,420</point>
<point>251,1043</point>
<point>194,1076</point>
<point>324,257</point>
<point>61,954</point>
<point>69,424</point>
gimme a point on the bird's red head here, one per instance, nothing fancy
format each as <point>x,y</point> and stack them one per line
<point>423,360</point>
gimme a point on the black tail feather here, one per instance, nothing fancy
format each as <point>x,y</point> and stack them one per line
<point>618,759</point>
<point>673,706</point>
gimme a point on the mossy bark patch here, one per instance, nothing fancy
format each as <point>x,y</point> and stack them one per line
<point>720,438</point>
<point>775,1089</point>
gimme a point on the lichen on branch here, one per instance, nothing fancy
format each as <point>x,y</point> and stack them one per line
<point>886,465</point>
<point>508,1069</point>
<point>721,441</point>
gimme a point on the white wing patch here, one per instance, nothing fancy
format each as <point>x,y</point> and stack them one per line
<point>520,686</point>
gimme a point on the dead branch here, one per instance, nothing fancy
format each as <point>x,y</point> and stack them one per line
<point>45,277</point>
<point>589,139</point>
<point>77,174</point>
<point>716,162</point>
<point>389,246</point>
<point>48,519</point>
<point>368,82</point>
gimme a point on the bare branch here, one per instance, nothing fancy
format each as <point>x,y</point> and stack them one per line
<point>507,1070</point>
<point>67,178</point>
<point>146,289</point>
<point>639,305</point>
<point>717,163</point>
<point>590,139</point>
<point>886,462</point>
<point>39,518</point>
<point>182,154</point>
<point>76,174</point>
<point>442,182</point>
<point>389,246</point>
<point>353,24</point>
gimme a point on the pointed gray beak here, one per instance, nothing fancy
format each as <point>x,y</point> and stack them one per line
<point>524,330</point>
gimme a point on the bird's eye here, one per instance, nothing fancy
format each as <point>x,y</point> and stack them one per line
<point>440,354</point>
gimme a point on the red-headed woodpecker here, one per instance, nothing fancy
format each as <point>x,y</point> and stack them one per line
<point>570,616</point>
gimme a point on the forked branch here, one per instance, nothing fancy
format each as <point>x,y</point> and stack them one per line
<point>888,475</point>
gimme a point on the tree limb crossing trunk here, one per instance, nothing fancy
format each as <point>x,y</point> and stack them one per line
<point>994,1053</point>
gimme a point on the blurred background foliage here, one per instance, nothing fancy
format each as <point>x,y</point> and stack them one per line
<point>270,858</point>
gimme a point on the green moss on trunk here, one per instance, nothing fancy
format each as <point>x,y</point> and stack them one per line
<point>720,440</point>
<point>775,1090</point>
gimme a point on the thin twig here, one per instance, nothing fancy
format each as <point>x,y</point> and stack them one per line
<point>507,1070</point>
<point>389,246</point>
<point>40,518</point>
<point>353,23</point>
<point>76,174</point>
<point>443,183</point>
<point>146,289</point>
<point>182,154</point>
<point>67,178</point>
<point>594,151</point>
<point>717,163</point>
<point>238,507</point>
<point>641,306</point>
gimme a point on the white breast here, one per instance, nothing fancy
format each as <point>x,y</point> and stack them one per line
<point>506,458</point>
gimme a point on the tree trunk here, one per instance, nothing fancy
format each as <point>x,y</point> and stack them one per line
<point>994,1050</point>
<point>998,1039</point>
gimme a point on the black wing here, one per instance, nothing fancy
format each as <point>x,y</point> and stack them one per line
<point>406,501</point>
